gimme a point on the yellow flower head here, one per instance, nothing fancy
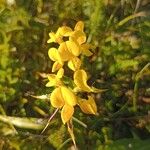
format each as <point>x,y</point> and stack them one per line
<point>88,106</point>
<point>55,80</point>
<point>78,34</point>
<point>69,50</point>
<point>80,80</point>
<point>64,98</point>
<point>58,36</point>
<point>55,56</point>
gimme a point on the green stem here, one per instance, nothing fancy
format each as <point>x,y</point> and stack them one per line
<point>62,145</point>
<point>136,86</point>
<point>135,95</point>
<point>125,20</point>
<point>80,122</point>
<point>2,110</point>
<point>122,109</point>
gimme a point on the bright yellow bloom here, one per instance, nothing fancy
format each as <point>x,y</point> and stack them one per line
<point>71,49</point>
<point>79,26</point>
<point>88,106</point>
<point>85,49</point>
<point>78,36</point>
<point>64,52</point>
<point>55,80</point>
<point>64,98</point>
<point>80,79</point>
<point>56,66</point>
<point>54,38</point>
<point>74,64</point>
<point>58,37</point>
<point>68,51</point>
<point>55,56</point>
<point>64,31</point>
<point>66,113</point>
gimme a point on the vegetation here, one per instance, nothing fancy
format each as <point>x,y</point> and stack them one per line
<point>113,51</point>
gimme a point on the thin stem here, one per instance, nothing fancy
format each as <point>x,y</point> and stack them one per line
<point>63,144</point>
<point>137,78</point>
<point>51,117</point>
<point>137,6</point>
<point>135,95</point>
<point>79,122</point>
<point>125,20</point>
<point>122,109</point>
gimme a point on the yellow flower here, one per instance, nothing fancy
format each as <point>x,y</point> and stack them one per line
<point>64,52</point>
<point>58,37</point>
<point>74,64</point>
<point>55,56</point>
<point>64,31</point>
<point>78,36</point>
<point>88,106</point>
<point>64,98</point>
<point>79,26</point>
<point>69,51</point>
<point>85,49</point>
<point>55,38</point>
<point>80,79</point>
<point>55,80</point>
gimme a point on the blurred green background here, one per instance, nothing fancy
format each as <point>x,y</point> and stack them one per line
<point>120,33</point>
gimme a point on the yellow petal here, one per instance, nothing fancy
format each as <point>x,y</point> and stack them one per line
<point>55,38</point>
<point>74,64</point>
<point>68,96</point>
<point>73,48</point>
<point>64,52</point>
<point>64,31</point>
<point>85,49</point>
<point>88,106</point>
<point>66,113</point>
<point>52,37</point>
<point>56,66</point>
<point>52,80</point>
<point>53,54</point>
<point>78,36</point>
<point>91,101</point>
<point>60,73</point>
<point>95,90</point>
<point>79,26</point>
<point>80,79</point>
<point>56,98</point>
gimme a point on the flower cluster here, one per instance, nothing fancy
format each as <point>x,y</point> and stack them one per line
<point>69,52</point>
